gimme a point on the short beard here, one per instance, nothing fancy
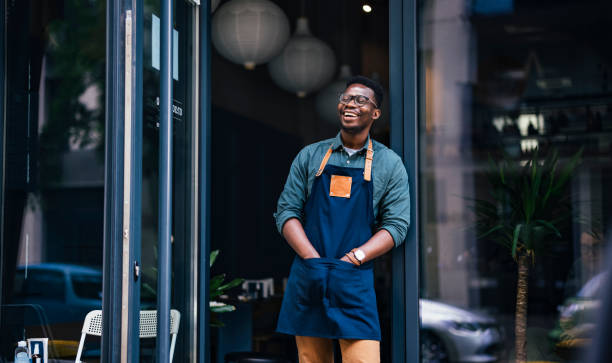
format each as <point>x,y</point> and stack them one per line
<point>353,130</point>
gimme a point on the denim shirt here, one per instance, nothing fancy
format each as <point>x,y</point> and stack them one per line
<point>391,196</point>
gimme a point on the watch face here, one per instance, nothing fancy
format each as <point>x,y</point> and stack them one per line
<point>359,255</point>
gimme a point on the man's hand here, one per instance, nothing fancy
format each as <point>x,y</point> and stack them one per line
<point>346,259</point>
<point>296,237</point>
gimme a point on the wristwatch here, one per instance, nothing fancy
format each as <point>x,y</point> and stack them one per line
<point>359,255</point>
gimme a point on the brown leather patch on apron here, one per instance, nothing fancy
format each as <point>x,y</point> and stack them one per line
<point>340,186</point>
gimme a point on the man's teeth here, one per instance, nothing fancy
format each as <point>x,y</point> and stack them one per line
<point>350,114</point>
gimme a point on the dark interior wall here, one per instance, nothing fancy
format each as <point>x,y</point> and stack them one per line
<point>250,162</point>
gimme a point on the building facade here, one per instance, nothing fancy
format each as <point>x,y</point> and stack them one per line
<point>134,144</point>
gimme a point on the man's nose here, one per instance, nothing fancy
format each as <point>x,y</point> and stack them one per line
<point>353,101</point>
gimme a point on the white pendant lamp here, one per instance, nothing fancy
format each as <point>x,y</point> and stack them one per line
<point>327,99</point>
<point>305,65</point>
<point>249,32</point>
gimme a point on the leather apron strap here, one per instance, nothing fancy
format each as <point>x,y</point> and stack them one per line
<point>325,159</point>
<point>367,170</point>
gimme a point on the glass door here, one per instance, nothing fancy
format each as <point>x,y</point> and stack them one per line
<point>53,191</point>
<point>184,198</point>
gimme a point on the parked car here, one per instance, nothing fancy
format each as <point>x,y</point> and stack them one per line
<point>452,334</point>
<point>578,317</point>
<point>65,292</point>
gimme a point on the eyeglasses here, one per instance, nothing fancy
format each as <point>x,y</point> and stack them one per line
<point>360,100</point>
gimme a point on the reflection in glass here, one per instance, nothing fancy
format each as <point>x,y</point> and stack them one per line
<point>496,78</point>
<point>184,255</point>
<point>54,170</point>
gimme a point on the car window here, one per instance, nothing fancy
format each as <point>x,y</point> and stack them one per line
<point>43,284</point>
<point>87,286</point>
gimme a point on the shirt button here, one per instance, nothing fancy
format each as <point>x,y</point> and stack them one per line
<point>348,161</point>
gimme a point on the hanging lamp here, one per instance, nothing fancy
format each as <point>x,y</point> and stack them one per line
<point>306,63</point>
<point>249,32</point>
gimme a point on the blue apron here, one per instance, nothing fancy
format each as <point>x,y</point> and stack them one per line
<point>326,297</point>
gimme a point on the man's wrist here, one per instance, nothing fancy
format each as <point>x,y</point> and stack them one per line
<point>359,255</point>
<point>311,254</point>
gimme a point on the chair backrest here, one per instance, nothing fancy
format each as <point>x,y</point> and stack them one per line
<point>148,323</point>
<point>148,327</point>
<point>93,323</point>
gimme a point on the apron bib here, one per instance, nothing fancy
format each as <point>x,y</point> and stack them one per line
<point>326,297</point>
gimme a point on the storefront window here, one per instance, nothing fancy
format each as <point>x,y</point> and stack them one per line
<point>505,86</point>
<point>51,246</point>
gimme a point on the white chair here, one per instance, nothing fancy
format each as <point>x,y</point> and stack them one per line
<point>148,327</point>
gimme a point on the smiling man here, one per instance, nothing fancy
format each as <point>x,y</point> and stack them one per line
<point>345,203</point>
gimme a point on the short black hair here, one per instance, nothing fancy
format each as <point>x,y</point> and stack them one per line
<point>371,84</point>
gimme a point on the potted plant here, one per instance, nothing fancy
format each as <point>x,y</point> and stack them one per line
<point>216,285</point>
<point>218,288</point>
<point>529,203</point>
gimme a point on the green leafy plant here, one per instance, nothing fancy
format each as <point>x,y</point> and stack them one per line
<point>529,204</point>
<point>218,288</point>
<point>217,284</point>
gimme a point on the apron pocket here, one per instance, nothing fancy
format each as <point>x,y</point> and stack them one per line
<point>351,287</point>
<point>310,279</point>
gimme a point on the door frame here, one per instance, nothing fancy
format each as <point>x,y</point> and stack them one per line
<point>121,255</point>
<point>204,178</point>
<point>403,29</point>
<point>404,141</point>
<point>2,130</point>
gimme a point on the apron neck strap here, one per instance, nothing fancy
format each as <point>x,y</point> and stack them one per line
<point>325,159</point>
<point>367,171</point>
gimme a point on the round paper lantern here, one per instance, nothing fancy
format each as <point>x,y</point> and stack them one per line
<point>327,99</point>
<point>249,32</point>
<point>305,65</point>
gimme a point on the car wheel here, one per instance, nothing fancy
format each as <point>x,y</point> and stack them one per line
<point>433,349</point>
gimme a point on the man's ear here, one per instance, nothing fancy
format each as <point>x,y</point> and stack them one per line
<point>376,114</point>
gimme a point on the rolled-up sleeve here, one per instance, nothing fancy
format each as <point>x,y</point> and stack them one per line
<point>292,199</point>
<point>394,209</point>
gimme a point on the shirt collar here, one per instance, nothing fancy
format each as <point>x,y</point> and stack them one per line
<point>338,143</point>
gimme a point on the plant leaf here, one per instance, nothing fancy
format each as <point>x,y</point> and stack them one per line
<point>550,226</point>
<point>491,231</point>
<point>222,309</point>
<point>567,171</point>
<point>213,257</point>
<point>216,281</point>
<point>229,285</point>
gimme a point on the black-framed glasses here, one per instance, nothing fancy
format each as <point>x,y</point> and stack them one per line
<point>360,100</point>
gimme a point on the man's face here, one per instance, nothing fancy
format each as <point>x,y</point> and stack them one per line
<point>355,118</point>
